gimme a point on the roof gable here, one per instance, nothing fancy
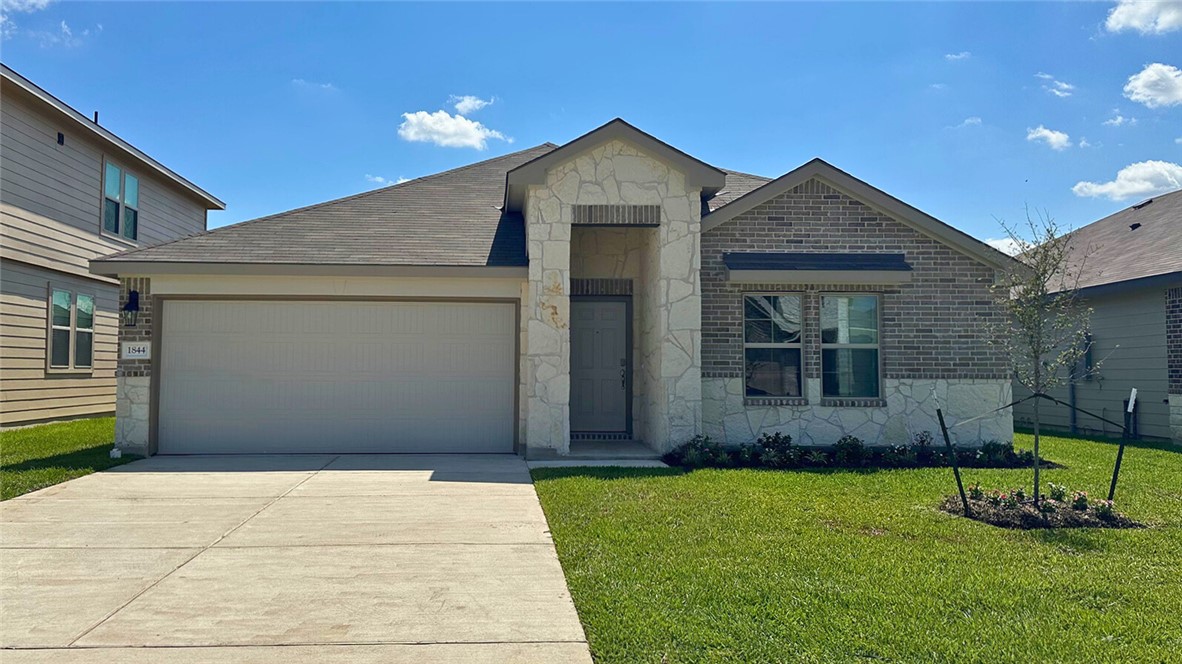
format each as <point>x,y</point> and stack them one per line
<point>697,172</point>
<point>868,194</point>
<point>105,136</point>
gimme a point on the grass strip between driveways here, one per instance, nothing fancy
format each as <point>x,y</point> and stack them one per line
<point>832,565</point>
<point>38,456</point>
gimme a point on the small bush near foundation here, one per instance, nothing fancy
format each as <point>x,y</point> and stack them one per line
<point>1014,509</point>
<point>776,450</point>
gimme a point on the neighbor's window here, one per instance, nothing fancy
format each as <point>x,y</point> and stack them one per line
<point>849,346</point>
<point>771,345</point>
<point>71,330</point>
<point>121,202</point>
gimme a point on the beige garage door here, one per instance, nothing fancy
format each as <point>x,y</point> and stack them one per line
<point>247,377</point>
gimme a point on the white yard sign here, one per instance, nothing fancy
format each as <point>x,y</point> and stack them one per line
<point>136,350</point>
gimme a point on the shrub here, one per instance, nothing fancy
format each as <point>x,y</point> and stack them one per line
<point>976,492</point>
<point>817,459</point>
<point>1079,500</point>
<point>699,452</point>
<point>849,451</point>
<point>1009,501</point>
<point>994,497</point>
<point>747,455</point>
<point>1020,494</point>
<point>777,451</point>
<point>1105,509</point>
<point>921,447</point>
<point>1058,492</point>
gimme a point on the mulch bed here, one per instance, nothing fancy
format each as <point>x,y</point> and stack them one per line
<point>1026,517</point>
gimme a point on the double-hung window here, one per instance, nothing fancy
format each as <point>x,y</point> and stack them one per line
<point>771,345</point>
<point>121,202</point>
<point>849,346</point>
<point>71,331</point>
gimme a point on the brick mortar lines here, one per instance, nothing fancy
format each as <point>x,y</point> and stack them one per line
<point>933,327</point>
<point>1174,339</point>
<point>143,326</point>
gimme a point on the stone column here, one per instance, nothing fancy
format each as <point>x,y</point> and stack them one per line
<point>546,319</point>
<point>133,378</point>
<point>679,298</point>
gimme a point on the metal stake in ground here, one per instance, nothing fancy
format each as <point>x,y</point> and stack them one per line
<point>1124,437</point>
<point>964,500</point>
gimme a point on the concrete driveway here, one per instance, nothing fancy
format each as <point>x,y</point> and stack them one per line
<point>375,558</point>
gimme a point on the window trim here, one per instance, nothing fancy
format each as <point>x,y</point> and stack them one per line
<point>799,345</point>
<point>73,330</point>
<point>123,173</point>
<point>822,346</point>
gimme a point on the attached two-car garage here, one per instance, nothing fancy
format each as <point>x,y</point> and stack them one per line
<point>335,376</point>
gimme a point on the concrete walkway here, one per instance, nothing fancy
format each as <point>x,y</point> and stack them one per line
<point>290,559</point>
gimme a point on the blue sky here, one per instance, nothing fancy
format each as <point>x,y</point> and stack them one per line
<point>271,106</point>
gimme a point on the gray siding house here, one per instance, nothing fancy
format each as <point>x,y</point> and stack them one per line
<point>607,294</point>
<point>71,191</point>
<point>1132,280</point>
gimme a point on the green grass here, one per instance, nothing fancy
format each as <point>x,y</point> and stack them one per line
<point>39,456</point>
<point>797,566</point>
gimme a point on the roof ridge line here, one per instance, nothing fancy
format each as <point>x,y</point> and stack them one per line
<point>128,252</point>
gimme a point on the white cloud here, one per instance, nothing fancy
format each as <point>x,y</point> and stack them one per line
<point>1178,140</point>
<point>1054,86</point>
<point>1083,142</point>
<point>384,182</point>
<point>8,27</point>
<point>1144,178</point>
<point>1056,140</point>
<point>312,85</point>
<point>64,35</point>
<point>953,57</point>
<point>1118,120</point>
<point>1145,17</point>
<point>939,86</point>
<point>1005,245</point>
<point>447,130</point>
<point>468,104</point>
<point>973,121</point>
<point>1156,85</point>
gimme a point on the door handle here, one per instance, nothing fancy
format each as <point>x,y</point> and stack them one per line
<point>623,378</point>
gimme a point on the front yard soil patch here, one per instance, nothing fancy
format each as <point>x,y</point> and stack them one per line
<point>1026,517</point>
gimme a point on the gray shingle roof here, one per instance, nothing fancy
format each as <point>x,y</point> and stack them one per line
<point>449,219</point>
<point>1116,252</point>
<point>737,184</point>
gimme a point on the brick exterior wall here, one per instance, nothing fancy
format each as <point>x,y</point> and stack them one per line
<point>934,327</point>
<point>1174,339</point>
<point>143,325</point>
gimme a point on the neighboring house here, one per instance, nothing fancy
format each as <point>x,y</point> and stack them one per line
<point>71,191</point>
<point>1131,277</point>
<point>612,288</point>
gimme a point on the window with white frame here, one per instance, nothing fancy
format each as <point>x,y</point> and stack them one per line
<point>849,346</point>
<point>121,202</point>
<point>771,345</point>
<point>71,330</point>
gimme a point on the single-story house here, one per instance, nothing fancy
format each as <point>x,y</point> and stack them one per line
<point>613,288</point>
<point>1129,269</point>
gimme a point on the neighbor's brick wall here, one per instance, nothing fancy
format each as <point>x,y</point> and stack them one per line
<point>1174,339</point>
<point>934,327</point>
<point>143,325</point>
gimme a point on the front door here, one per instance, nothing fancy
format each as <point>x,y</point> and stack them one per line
<point>599,372</point>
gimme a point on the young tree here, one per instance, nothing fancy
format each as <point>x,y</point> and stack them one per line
<point>1044,329</point>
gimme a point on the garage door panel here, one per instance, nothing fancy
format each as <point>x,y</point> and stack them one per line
<point>253,377</point>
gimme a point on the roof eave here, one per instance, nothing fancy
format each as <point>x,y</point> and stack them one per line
<point>98,131</point>
<point>117,268</point>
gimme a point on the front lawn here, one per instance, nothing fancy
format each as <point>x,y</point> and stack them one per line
<point>824,566</point>
<point>39,456</point>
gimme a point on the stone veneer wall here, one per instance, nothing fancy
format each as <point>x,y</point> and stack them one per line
<point>1174,359</point>
<point>133,378</point>
<point>933,342</point>
<point>667,306</point>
